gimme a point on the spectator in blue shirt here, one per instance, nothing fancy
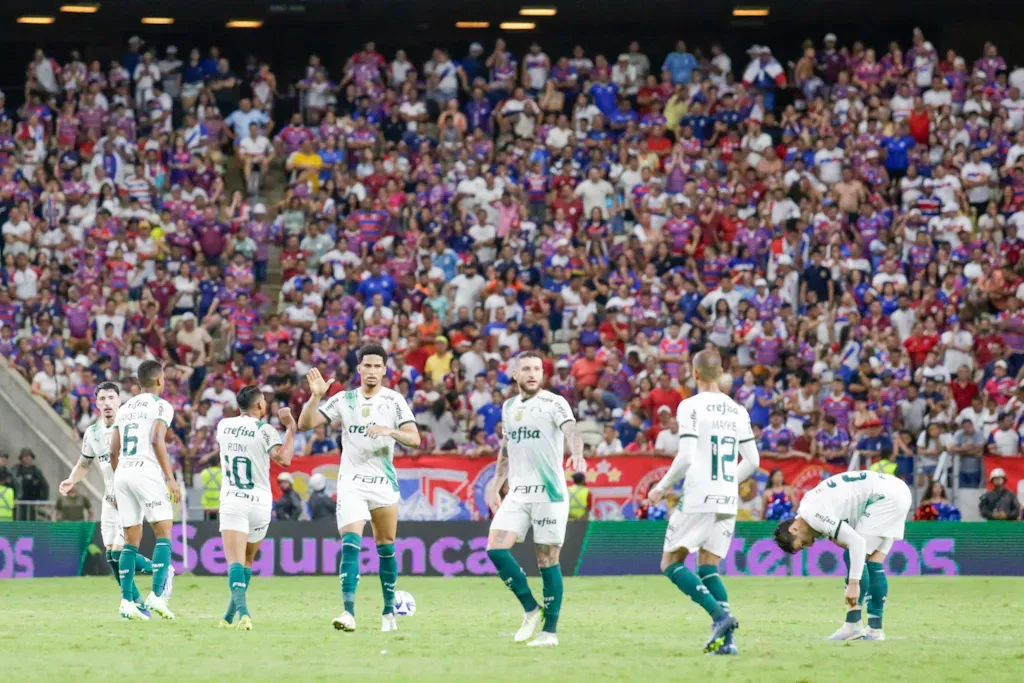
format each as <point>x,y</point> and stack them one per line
<point>240,119</point>
<point>604,94</point>
<point>491,413</point>
<point>897,149</point>
<point>680,64</point>
<point>377,283</point>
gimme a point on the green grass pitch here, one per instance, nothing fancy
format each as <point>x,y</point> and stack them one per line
<point>611,629</point>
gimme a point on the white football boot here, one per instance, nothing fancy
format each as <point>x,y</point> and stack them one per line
<point>544,639</point>
<point>130,611</point>
<point>848,631</point>
<point>531,620</point>
<point>388,622</point>
<point>345,622</point>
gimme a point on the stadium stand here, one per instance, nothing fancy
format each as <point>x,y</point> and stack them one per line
<point>844,227</point>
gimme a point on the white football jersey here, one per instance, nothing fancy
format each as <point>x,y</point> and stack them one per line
<point>844,498</point>
<point>719,425</point>
<point>135,421</point>
<point>245,446</point>
<point>366,461</point>
<point>536,447</point>
<point>96,446</point>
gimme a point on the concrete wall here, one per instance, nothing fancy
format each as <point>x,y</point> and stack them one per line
<point>28,422</point>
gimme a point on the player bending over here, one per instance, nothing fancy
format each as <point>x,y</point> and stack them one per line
<point>96,447</point>
<point>536,425</point>
<point>247,445</point>
<point>372,419</point>
<point>142,480</point>
<point>863,512</point>
<point>713,431</point>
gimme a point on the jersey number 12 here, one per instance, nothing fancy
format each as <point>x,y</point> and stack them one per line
<point>724,448</point>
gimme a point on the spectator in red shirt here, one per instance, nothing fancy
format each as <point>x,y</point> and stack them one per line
<point>664,395</point>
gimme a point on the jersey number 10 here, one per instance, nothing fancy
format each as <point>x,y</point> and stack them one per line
<point>238,470</point>
<point>724,448</point>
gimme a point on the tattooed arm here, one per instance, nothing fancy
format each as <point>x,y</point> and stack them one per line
<point>500,477</point>
<point>574,441</point>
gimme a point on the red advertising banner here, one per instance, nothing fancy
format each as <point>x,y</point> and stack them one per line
<point>444,487</point>
<point>1014,468</point>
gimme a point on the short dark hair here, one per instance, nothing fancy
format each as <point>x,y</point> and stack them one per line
<point>248,397</point>
<point>579,479</point>
<point>149,371</point>
<point>373,350</point>
<point>784,537</point>
<point>107,386</point>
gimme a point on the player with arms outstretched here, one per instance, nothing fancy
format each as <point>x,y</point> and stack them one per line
<point>372,419</point>
<point>247,445</point>
<point>864,512</point>
<point>536,426</point>
<point>96,448</point>
<point>713,431</point>
<point>143,478</point>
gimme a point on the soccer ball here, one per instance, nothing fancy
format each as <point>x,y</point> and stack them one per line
<point>405,604</point>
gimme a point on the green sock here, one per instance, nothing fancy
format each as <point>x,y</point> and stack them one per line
<point>879,592</point>
<point>552,577</point>
<point>229,615</point>
<point>161,562</point>
<point>348,569</point>
<point>388,575</point>
<point>687,582</point>
<point>143,565</point>
<point>513,576</point>
<point>711,579</point>
<point>236,579</point>
<point>113,559</point>
<point>126,572</point>
<point>853,616</point>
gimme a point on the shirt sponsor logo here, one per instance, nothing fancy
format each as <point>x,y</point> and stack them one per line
<point>537,488</point>
<point>545,521</point>
<point>722,408</point>
<point>720,500</point>
<point>523,434</point>
<point>825,519</point>
<point>239,432</point>
<point>369,479</point>
<point>241,494</point>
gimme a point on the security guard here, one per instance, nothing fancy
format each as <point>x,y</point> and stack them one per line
<point>579,498</point>
<point>210,479</point>
<point>883,465</point>
<point>6,503</point>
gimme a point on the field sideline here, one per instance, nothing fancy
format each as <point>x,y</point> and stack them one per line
<point>611,629</point>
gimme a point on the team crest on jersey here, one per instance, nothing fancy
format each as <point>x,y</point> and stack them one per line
<point>366,411</point>
<point>519,415</point>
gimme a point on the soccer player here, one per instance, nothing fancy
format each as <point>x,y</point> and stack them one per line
<point>713,431</point>
<point>142,481</point>
<point>96,448</point>
<point>864,512</point>
<point>372,419</point>
<point>247,445</point>
<point>536,424</point>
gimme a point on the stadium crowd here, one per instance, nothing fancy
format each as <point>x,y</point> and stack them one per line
<point>846,228</point>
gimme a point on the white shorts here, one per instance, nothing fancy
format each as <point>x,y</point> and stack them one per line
<point>248,512</point>
<point>695,531</point>
<point>110,524</point>
<point>141,493</point>
<point>354,504</point>
<point>884,520</point>
<point>547,519</point>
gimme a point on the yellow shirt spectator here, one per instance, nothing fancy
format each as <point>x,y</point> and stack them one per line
<point>440,363</point>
